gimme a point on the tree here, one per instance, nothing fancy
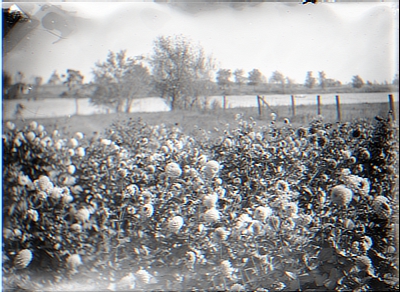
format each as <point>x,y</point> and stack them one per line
<point>357,82</point>
<point>181,71</point>
<point>119,80</point>
<point>322,79</point>
<point>277,77</point>
<point>254,77</point>
<point>74,82</point>
<point>54,79</point>
<point>396,80</point>
<point>239,77</point>
<point>310,80</point>
<point>38,81</point>
<point>223,78</point>
<point>289,82</point>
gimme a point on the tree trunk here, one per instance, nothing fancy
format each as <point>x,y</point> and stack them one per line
<point>129,102</point>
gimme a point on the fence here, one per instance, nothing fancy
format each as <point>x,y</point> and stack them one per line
<point>262,103</point>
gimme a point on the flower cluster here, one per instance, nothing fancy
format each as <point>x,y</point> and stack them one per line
<point>260,207</point>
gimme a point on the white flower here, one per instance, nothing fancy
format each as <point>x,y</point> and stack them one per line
<point>175,224</point>
<point>23,259</point>
<point>40,129</point>
<point>147,210</point>
<point>211,168</point>
<point>30,136</point>
<point>71,169</point>
<point>82,215</point>
<point>173,170</point>
<point>210,200</point>
<point>105,142</point>
<point>262,213</point>
<point>74,261</point>
<point>79,135</point>
<point>10,125</point>
<point>73,143</point>
<point>80,151</point>
<point>212,215</point>
<point>71,152</point>
<point>143,276</point>
<point>33,215</point>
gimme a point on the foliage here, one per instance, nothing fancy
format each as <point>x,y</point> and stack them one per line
<point>254,77</point>
<point>148,207</point>
<point>322,79</point>
<point>357,82</point>
<point>181,71</point>
<point>310,80</point>
<point>223,78</point>
<point>54,79</point>
<point>240,79</point>
<point>119,80</point>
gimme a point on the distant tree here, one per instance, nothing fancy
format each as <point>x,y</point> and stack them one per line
<point>7,81</point>
<point>19,77</point>
<point>332,82</point>
<point>74,82</point>
<point>54,79</point>
<point>322,79</point>
<point>310,80</point>
<point>240,79</point>
<point>180,70</point>
<point>289,82</point>
<point>357,82</point>
<point>278,77</point>
<point>38,81</point>
<point>254,77</point>
<point>369,83</point>
<point>223,79</point>
<point>119,80</point>
<point>396,80</point>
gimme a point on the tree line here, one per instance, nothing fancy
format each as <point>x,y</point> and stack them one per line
<point>179,72</point>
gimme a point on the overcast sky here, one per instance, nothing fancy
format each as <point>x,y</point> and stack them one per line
<point>342,39</point>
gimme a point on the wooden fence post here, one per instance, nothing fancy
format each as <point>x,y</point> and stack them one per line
<point>224,103</point>
<point>338,113</point>
<point>76,107</point>
<point>391,106</point>
<point>293,106</point>
<point>318,104</point>
<point>259,105</point>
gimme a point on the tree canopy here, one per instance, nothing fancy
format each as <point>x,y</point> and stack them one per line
<point>119,80</point>
<point>181,71</point>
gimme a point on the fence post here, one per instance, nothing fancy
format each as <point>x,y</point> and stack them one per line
<point>259,105</point>
<point>76,107</point>
<point>224,103</point>
<point>293,106</point>
<point>339,116</point>
<point>391,107</point>
<point>318,104</point>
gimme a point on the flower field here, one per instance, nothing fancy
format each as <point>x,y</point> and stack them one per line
<point>260,208</point>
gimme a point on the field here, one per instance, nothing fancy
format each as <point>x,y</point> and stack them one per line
<point>216,200</point>
<point>189,121</point>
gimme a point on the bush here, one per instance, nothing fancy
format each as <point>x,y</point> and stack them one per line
<point>148,207</point>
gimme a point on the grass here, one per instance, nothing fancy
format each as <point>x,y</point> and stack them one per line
<point>188,121</point>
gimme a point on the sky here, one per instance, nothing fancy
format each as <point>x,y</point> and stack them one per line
<point>341,39</point>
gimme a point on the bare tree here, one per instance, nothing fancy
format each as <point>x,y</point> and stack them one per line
<point>180,70</point>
